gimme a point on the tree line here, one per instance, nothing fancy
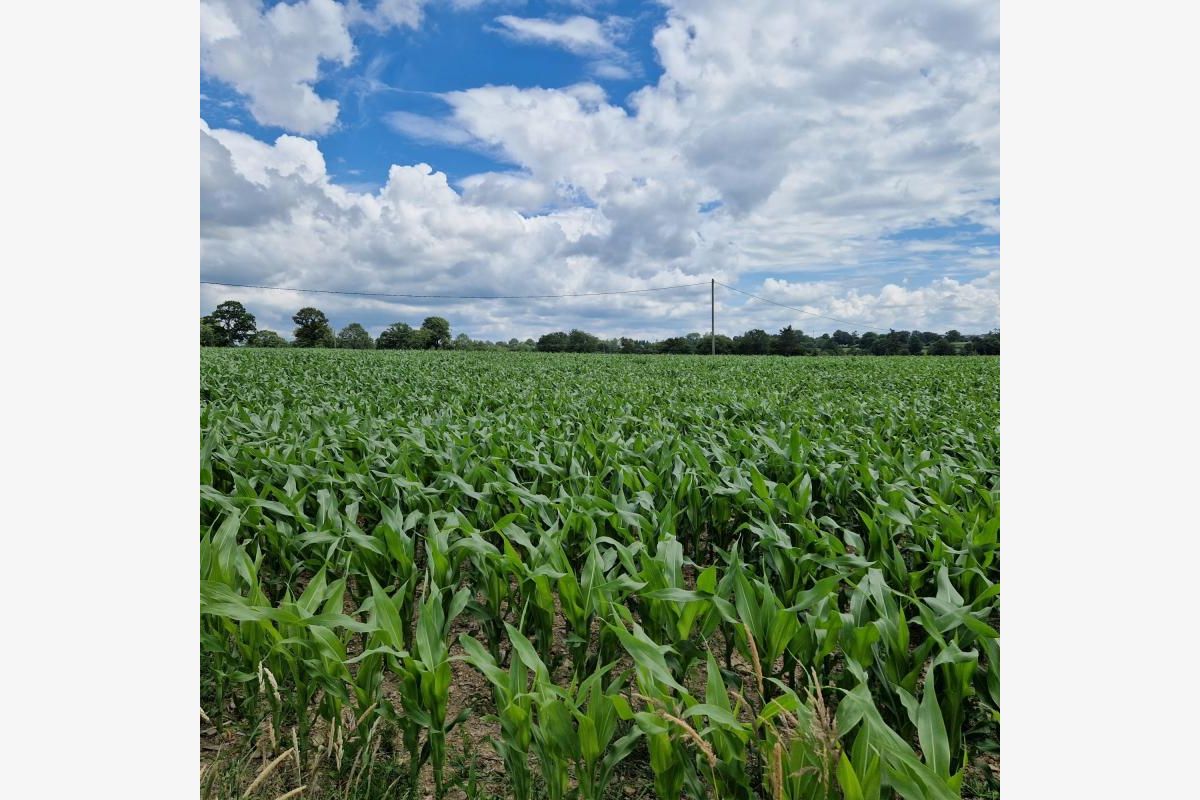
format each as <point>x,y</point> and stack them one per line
<point>231,325</point>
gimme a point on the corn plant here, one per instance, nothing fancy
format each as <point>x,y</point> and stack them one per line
<point>787,534</point>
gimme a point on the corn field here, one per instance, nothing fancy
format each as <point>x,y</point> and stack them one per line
<point>514,575</point>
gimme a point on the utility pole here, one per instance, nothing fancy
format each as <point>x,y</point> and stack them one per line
<point>712,306</point>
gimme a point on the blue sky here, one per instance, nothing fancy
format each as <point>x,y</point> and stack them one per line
<point>841,159</point>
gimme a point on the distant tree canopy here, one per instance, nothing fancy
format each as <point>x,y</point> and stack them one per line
<point>267,339</point>
<point>312,329</point>
<point>553,342</point>
<point>231,324</point>
<point>210,335</point>
<point>438,330</point>
<point>397,336</point>
<point>434,333</point>
<point>942,347</point>
<point>754,342</point>
<point>355,337</point>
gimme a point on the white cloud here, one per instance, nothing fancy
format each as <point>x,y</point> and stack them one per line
<point>272,56</point>
<point>584,36</point>
<point>941,305</point>
<point>578,34</point>
<point>611,70</point>
<point>386,14</point>
<point>816,137</point>
<point>428,129</point>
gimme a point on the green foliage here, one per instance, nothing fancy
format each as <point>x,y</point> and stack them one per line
<point>942,347</point>
<point>437,332</point>
<point>397,336</point>
<point>211,335</point>
<point>312,329</point>
<point>667,570</point>
<point>355,337</point>
<point>556,342</point>
<point>232,325</point>
<point>266,338</point>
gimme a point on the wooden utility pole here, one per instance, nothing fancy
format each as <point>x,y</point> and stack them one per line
<point>712,306</point>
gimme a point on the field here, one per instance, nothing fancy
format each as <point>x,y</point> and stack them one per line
<point>525,575</point>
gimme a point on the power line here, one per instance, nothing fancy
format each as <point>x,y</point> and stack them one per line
<point>455,296</point>
<point>810,313</point>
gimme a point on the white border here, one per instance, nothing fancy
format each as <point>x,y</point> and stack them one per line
<point>1100,175</point>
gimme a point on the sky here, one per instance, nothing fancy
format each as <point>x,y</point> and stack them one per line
<point>840,158</point>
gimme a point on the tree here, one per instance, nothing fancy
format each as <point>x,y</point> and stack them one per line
<point>582,342</point>
<point>439,332</point>
<point>397,336</point>
<point>312,329</point>
<point>421,339</point>
<point>953,336</point>
<point>265,338</point>
<point>787,343</point>
<point>915,345</point>
<point>754,342</point>
<point>942,347</point>
<point>988,344</point>
<point>843,339</point>
<point>211,335</point>
<point>724,345</point>
<point>355,337</point>
<point>676,345</point>
<point>232,318</point>
<point>553,342</point>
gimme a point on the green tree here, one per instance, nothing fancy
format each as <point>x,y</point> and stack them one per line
<point>421,339</point>
<point>915,345</point>
<point>397,336</point>
<point>787,343</point>
<point>355,337</point>
<point>676,345</point>
<point>439,332</point>
<point>843,339</point>
<point>265,338</point>
<point>754,342</point>
<point>953,336</point>
<point>724,345</point>
<point>234,321</point>
<point>211,335</point>
<point>582,342</point>
<point>312,329</point>
<point>553,342</point>
<point>942,347</point>
<point>988,344</point>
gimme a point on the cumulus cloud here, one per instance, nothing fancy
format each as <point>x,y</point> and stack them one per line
<point>942,304</point>
<point>805,145</point>
<point>274,55</point>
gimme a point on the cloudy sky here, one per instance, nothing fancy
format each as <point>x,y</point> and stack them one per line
<point>842,158</point>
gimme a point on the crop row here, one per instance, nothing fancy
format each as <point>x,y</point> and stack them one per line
<point>737,579</point>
